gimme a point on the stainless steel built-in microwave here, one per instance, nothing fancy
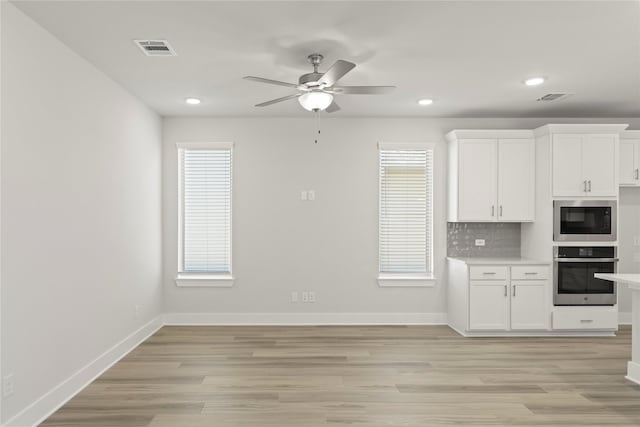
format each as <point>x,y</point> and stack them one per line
<point>584,220</point>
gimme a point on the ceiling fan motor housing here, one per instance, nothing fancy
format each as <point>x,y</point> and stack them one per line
<point>310,79</point>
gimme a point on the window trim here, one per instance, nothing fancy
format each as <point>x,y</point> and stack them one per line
<point>186,279</point>
<point>409,280</point>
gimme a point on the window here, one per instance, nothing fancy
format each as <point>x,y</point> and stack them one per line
<point>205,181</point>
<point>405,216</point>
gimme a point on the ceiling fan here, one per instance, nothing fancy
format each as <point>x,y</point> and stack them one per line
<point>315,90</point>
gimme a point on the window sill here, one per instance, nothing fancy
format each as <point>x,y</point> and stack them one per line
<point>205,280</point>
<point>406,281</point>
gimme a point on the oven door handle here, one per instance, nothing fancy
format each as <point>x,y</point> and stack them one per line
<point>586,259</point>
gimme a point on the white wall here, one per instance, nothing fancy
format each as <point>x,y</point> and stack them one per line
<point>282,244</point>
<point>81,211</point>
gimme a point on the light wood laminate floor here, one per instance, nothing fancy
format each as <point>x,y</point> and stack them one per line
<point>359,376</point>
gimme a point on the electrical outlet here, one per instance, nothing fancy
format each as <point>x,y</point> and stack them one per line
<point>8,385</point>
<point>304,195</point>
<point>305,296</point>
<point>137,310</point>
<point>312,194</point>
<point>636,240</point>
<point>312,296</point>
<point>294,297</point>
<point>480,242</point>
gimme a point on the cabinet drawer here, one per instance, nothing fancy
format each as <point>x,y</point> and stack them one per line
<point>585,319</point>
<point>487,272</point>
<point>530,272</point>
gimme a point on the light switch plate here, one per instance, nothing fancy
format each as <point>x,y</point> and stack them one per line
<point>312,194</point>
<point>303,195</point>
<point>480,242</point>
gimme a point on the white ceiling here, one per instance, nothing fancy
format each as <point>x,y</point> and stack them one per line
<point>470,57</point>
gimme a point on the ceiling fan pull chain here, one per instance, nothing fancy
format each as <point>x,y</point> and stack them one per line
<point>317,125</point>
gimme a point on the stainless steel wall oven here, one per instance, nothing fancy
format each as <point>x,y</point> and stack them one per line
<point>573,270</point>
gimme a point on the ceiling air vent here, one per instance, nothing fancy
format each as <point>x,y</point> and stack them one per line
<point>550,97</point>
<point>155,47</point>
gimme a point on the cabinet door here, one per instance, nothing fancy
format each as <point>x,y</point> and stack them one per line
<point>568,179</point>
<point>477,179</point>
<point>488,305</point>
<point>599,165</point>
<point>529,305</point>
<point>516,180</point>
<point>629,162</point>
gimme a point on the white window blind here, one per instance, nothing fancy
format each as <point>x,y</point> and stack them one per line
<point>405,226</point>
<point>205,186</point>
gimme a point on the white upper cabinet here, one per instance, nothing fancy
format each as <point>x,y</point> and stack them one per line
<point>491,176</point>
<point>599,160</point>
<point>630,159</point>
<point>516,179</point>
<point>584,159</point>
<point>567,166</point>
<point>584,165</point>
<point>477,187</point>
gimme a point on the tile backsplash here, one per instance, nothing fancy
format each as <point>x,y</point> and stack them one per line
<point>501,239</point>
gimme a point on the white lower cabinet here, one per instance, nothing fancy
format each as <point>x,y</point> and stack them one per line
<point>488,299</point>
<point>504,305</point>
<point>529,302</point>
<point>488,305</point>
<point>577,318</point>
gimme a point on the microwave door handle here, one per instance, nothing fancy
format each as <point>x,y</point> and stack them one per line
<point>586,259</point>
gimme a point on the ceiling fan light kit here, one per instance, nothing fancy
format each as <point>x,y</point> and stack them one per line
<point>316,90</point>
<point>315,100</point>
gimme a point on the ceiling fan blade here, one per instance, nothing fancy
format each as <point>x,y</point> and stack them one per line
<point>332,108</point>
<point>275,101</point>
<point>269,81</point>
<point>336,72</point>
<point>362,90</point>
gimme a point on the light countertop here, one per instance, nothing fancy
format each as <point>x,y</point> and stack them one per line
<point>495,261</point>
<point>633,280</point>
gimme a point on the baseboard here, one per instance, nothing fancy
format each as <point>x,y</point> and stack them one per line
<point>51,401</point>
<point>305,319</point>
<point>624,318</point>
<point>633,372</point>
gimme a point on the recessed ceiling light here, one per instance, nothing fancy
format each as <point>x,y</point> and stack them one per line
<point>534,81</point>
<point>192,101</point>
<point>425,102</point>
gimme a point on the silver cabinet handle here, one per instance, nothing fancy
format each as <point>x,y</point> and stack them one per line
<point>585,186</point>
<point>528,273</point>
<point>505,290</point>
<point>589,186</point>
<point>500,210</point>
<point>637,174</point>
<point>493,210</point>
<point>514,291</point>
<point>586,320</point>
<point>489,272</point>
